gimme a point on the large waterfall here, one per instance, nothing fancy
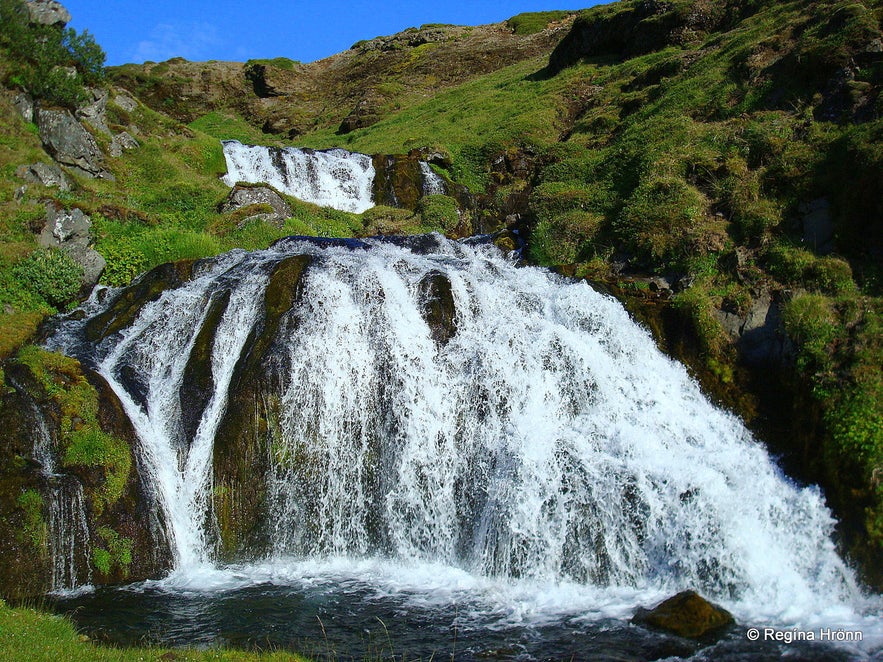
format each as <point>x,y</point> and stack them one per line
<point>446,408</point>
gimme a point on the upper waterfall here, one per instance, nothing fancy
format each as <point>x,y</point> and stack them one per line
<point>331,178</point>
<point>539,434</point>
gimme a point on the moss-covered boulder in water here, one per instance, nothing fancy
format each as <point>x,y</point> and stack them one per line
<point>686,614</point>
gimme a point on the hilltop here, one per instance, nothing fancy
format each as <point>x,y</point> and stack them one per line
<point>716,165</point>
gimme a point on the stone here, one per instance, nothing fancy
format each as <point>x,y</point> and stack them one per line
<point>70,231</point>
<point>24,104</point>
<point>68,142</point>
<point>686,614</point>
<point>125,102</point>
<point>94,111</point>
<point>244,196</point>
<point>122,142</point>
<point>47,175</point>
<point>48,12</point>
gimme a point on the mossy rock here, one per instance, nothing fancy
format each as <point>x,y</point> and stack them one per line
<point>686,614</point>
<point>131,300</point>
<point>244,437</point>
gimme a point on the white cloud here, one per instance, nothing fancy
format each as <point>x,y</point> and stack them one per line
<point>192,41</point>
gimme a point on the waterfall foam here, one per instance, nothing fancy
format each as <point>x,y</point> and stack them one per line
<point>544,442</point>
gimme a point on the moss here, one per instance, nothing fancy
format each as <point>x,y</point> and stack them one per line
<point>440,212</point>
<point>35,530</point>
<point>83,444</point>
<point>115,555</point>
<point>565,238</point>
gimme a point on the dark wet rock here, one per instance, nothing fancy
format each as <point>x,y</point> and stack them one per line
<point>245,196</point>
<point>198,382</point>
<point>818,225</point>
<point>759,333</point>
<point>48,12</point>
<point>146,288</point>
<point>244,440</point>
<point>686,614</point>
<point>438,306</point>
<point>44,174</point>
<point>398,180</point>
<point>69,143</point>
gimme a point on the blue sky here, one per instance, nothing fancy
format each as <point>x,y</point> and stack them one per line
<point>139,30</point>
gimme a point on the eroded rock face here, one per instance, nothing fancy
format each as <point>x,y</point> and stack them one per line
<point>686,614</point>
<point>122,142</point>
<point>94,110</point>
<point>69,143</point>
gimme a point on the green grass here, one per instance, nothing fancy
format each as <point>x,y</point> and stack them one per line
<point>533,22</point>
<point>28,634</point>
<point>225,126</point>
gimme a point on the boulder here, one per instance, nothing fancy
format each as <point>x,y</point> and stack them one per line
<point>44,174</point>
<point>70,231</point>
<point>94,110</point>
<point>47,12</point>
<point>24,104</point>
<point>686,614</point>
<point>818,225</point>
<point>68,142</point>
<point>122,142</point>
<point>125,102</point>
<point>244,196</point>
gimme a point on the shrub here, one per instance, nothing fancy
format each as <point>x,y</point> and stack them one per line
<point>123,263</point>
<point>50,63</point>
<point>811,322</point>
<point>52,274</point>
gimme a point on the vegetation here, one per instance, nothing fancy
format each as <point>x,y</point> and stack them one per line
<point>50,63</point>
<point>533,22</point>
<point>27,634</point>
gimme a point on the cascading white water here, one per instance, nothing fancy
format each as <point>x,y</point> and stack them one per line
<point>154,352</point>
<point>332,178</point>
<point>432,183</point>
<point>68,532</point>
<point>548,440</point>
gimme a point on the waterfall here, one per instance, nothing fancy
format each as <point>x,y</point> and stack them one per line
<point>333,178</point>
<point>432,183</point>
<point>330,178</point>
<point>68,532</point>
<point>533,431</point>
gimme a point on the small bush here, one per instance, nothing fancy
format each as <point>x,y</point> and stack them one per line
<point>811,322</point>
<point>52,274</point>
<point>123,263</point>
<point>439,211</point>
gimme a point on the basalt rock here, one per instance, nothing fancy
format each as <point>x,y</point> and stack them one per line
<point>245,436</point>
<point>438,307</point>
<point>686,614</point>
<point>69,230</point>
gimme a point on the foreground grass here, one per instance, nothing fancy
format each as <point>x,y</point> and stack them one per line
<point>26,634</point>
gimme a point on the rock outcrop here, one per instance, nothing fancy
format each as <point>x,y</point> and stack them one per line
<point>242,197</point>
<point>70,231</point>
<point>44,174</point>
<point>48,12</point>
<point>69,143</point>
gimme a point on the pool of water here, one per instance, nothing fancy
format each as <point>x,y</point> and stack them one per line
<point>365,612</point>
